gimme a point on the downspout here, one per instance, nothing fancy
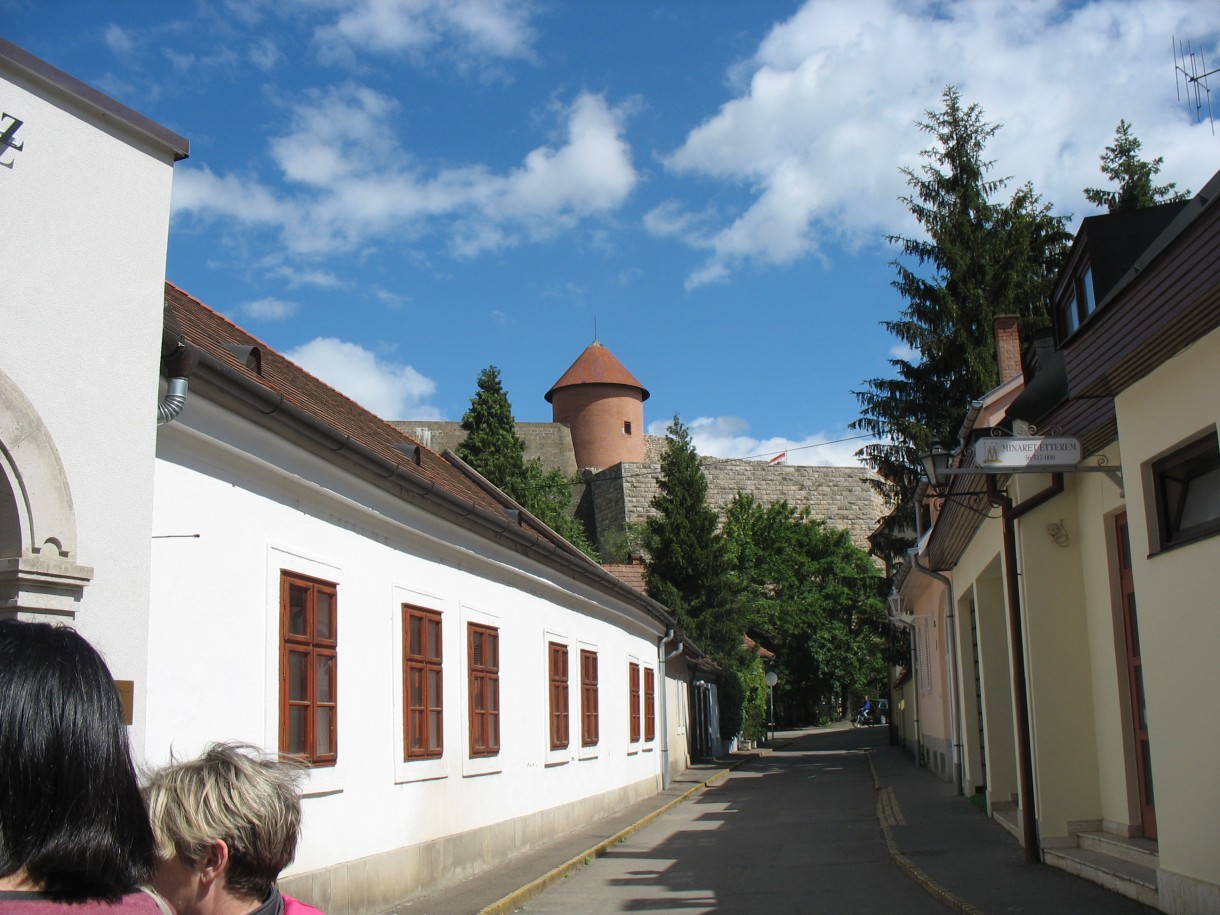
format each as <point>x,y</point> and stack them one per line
<point>951,619</point>
<point>1020,686</point>
<point>662,659</point>
<point>179,359</point>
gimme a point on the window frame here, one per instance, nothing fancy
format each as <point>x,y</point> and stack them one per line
<point>560,725</point>
<point>650,705</point>
<point>483,696</point>
<point>633,689</point>
<point>589,719</point>
<point>1181,465</point>
<point>425,663</point>
<point>313,647</point>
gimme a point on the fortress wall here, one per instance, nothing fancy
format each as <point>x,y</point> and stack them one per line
<point>840,496</point>
<point>549,442</point>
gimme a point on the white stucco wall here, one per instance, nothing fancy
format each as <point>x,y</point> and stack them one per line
<point>86,207</point>
<point>1178,620</point>
<point>215,637</point>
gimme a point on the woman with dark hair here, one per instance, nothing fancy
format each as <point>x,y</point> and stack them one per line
<point>73,826</point>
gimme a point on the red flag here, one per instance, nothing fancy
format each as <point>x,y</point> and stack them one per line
<point>779,458</point>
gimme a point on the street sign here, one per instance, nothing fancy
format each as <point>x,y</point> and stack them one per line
<point>1049,453</point>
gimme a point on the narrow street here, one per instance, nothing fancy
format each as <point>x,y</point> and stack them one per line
<point>795,831</point>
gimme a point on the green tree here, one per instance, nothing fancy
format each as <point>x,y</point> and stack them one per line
<point>493,448</point>
<point>686,568</point>
<point>977,259</point>
<point>812,597</point>
<point>1121,163</point>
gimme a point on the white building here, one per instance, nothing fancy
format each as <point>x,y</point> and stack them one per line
<point>275,564</point>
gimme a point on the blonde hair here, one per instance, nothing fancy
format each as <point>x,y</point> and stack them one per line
<point>236,793</point>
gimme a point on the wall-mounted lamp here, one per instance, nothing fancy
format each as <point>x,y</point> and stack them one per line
<point>936,469</point>
<point>935,463</point>
<point>895,602</point>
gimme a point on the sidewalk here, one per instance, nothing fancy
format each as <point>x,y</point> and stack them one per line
<point>949,849</point>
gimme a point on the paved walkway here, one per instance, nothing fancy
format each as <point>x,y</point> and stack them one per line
<point>948,848</point>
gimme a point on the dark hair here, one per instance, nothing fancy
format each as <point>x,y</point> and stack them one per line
<point>71,812</point>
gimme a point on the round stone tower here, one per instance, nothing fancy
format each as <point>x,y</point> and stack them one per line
<point>603,405</point>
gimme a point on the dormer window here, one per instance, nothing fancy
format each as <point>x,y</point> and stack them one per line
<point>1080,302</point>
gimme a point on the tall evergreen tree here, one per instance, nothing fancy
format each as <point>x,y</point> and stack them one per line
<point>493,448</point>
<point>687,568</point>
<point>1121,163</point>
<point>979,258</point>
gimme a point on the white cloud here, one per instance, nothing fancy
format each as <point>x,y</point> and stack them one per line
<point>470,33</point>
<point>354,184</point>
<point>825,109</point>
<point>119,40</point>
<point>390,390</point>
<point>268,309</point>
<point>727,437</point>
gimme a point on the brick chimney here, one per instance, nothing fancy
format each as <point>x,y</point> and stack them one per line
<point>1007,347</point>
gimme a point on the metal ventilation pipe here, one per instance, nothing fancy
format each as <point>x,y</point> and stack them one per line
<point>178,360</point>
<point>173,401</point>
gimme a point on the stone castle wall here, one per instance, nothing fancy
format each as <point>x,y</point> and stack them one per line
<point>621,495</point>
<point>549,442</point>
<point>840,496</point>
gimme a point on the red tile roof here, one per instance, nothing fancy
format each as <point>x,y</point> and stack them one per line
<point>213,333</point>
<point>596,365</point>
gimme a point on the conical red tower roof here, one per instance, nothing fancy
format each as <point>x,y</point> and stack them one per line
<point>596,365</point>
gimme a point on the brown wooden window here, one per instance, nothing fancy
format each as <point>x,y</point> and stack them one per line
<point>633,684</point>
<point>588,698</point>
<point>308,668</point>
<point>559,695</point>
<point>650,704</point>
<point>422,679</point>
<point>484,663</point>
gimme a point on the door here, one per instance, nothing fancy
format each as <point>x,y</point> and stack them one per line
<point>1135,680</point>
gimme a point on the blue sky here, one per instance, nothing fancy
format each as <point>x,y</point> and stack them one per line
<point>399,193</point>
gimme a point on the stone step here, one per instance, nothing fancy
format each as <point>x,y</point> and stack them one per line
<point>1135,881</point>
<point>1134,849</point>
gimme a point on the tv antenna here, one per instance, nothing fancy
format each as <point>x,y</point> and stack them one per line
<point>1191,66</point>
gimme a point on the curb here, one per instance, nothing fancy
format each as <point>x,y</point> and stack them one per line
<point>515,899</point>
<point>884,802</point>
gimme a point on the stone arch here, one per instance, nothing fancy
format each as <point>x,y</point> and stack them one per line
<point>38,568</point>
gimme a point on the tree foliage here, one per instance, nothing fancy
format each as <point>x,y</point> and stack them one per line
<point>686,568</point>
<point>1121,163</point>
<point>493,448</point>
<point>978,258</point>
<point>812,597</point>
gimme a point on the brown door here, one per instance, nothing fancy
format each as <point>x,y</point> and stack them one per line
<point>1135,677</point>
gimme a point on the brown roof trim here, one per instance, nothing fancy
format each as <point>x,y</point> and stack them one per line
<point>110,109</point>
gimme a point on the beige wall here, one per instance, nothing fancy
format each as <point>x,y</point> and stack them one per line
<point>1179,619</point>
<point>1060,686</point>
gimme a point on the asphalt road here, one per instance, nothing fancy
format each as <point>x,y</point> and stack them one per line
<point>795,831</point>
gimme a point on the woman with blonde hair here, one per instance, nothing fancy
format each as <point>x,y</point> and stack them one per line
<point>226,824</point>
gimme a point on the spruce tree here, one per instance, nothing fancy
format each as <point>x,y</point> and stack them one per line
<point>1121,163</point>
<point>492,446</point>
<point>977,259</point>
<point>687,567</point>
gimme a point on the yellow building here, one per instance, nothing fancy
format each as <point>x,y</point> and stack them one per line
<point>1063,615</point>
